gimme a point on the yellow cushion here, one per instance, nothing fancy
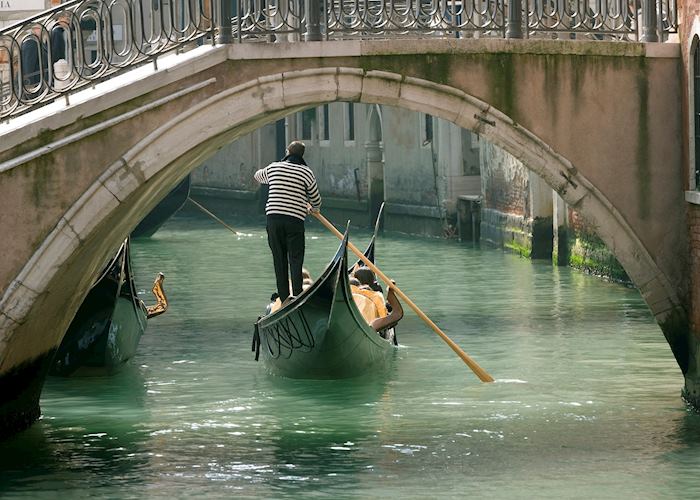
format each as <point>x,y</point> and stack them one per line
<point>366,307</point>
<point>370,303</point>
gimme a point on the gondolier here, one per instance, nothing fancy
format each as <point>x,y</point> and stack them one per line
<point>293,193</point>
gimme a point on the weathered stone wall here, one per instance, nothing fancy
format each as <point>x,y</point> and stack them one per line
<point>423,176</point>
<point>517,214</point>
<point>689,16</point>
<point>588,252</point>
<point>505,209</point>
<point>335,159</point>
<point>232,168</point>
<point>689,28</point>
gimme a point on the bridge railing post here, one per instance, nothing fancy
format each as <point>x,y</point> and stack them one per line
<point>313,20</point>
<point>649,21</point>
<point>514,19</point>
<point>224,21</point>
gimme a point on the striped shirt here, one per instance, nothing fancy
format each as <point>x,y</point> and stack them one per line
<point>292,186</point>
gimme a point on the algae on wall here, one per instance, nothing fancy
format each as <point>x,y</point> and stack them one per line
<point>505,209</point>
<point>589,253</point>
<point>514,217</point>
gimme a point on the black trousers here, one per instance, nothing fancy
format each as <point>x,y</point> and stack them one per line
<point>285,235</point>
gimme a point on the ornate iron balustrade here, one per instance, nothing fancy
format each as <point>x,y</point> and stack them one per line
<point>597,19</point>
<point>370,18</point>
<point>610,19</point>
<point>84,41</point>
<point>268,20</point>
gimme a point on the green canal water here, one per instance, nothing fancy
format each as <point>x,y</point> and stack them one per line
<point>586,402</point>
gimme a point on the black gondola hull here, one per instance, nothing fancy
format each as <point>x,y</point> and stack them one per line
<point>165,209</point>
<point>108,326</point>
<point>322,334</point>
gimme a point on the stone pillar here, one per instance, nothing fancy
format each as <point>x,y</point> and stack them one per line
<point>560,250</point>
<point>374,153</point>
<point>541,211</point>
<point>689,361</point>
<point>691,368</point>
<point>375,177</point>
<point>19,398</point>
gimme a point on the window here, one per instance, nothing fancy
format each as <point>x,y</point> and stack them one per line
<point>470,152</point>
<point>324,126</point>
<point>427,129</point>
<point>349,121</point>
<point>307,119</point>
<point>696,108</point>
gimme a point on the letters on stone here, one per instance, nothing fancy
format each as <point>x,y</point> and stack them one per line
<point>21,5</point>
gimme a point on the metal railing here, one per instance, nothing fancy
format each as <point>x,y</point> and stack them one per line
<point>267,20</point>
<point>602,19</point>
<point>84,41</point>
<point>371,18</point>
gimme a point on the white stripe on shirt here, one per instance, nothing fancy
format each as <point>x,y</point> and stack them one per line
<point>292,186</point>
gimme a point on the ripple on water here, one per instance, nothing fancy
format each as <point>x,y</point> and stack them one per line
<point>585,402</point>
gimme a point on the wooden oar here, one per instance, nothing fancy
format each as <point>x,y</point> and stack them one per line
<point>483,376</point>
<point>212,216</point>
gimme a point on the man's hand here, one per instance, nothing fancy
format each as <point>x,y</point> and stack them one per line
<point>312,210</point>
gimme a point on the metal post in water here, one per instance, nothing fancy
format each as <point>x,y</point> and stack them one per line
<point>313,20</point>
<point>649,27</point>
<point>225,35</point>
<point>514,20</point>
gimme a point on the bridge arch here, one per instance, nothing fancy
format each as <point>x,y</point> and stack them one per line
<point>166,155</point>
<point>116,201</point>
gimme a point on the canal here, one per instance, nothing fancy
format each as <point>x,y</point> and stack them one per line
<point>586,402</point>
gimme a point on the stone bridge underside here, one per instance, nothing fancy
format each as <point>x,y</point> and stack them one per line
<point>599,122</point>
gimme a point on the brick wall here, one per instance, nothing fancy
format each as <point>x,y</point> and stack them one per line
<point>688,14</point>
<point>504,182</point>
<point>505,209</point>
<point>589,253</point>
<point>694,242</point>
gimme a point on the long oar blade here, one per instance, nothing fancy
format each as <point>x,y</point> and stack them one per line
<point>478,371</point>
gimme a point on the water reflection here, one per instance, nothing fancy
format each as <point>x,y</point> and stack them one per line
<point>91,435</point>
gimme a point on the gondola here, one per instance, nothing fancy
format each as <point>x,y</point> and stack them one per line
<point>321,334</point>
<point>108,326</point>
<point>165,209</point>
<point>369,252</point>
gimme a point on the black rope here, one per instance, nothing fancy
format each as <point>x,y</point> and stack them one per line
<point>287,335</point>
<point>256,341</point>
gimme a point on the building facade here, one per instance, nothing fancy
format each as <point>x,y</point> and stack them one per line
<point>362,155</point>
<point>435,178</point>
<point>689,34</point>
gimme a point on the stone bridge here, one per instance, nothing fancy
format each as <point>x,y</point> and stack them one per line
<point>600,122</point>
